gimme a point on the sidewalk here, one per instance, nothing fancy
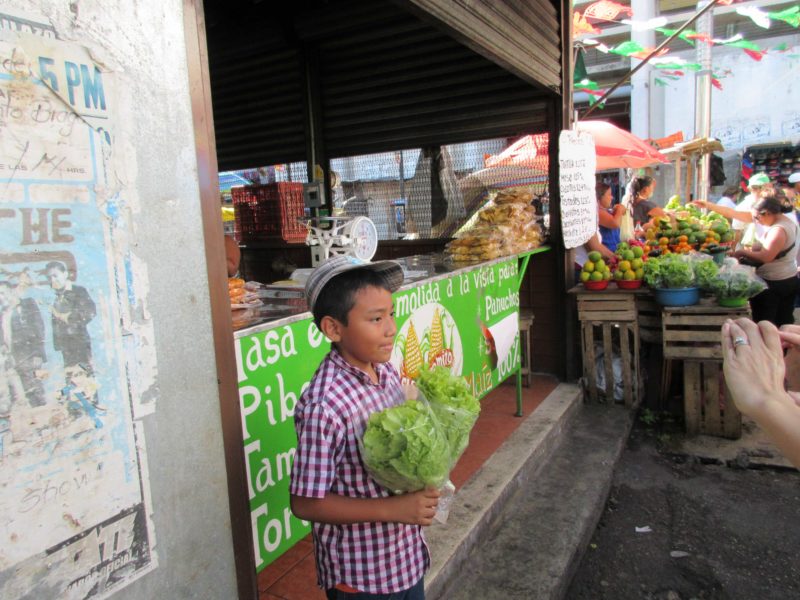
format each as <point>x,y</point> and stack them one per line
<point>293,576</point>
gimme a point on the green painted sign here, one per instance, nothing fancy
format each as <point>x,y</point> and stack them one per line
<point>467,322</point>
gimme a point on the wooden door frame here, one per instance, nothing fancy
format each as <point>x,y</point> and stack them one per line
<point>222,328</point>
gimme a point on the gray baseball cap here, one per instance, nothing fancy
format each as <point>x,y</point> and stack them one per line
<point>390,271</point>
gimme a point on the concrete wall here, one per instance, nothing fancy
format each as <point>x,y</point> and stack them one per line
<point>142,44</point>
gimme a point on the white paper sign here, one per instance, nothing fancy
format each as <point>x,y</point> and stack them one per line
<point>576,162</point>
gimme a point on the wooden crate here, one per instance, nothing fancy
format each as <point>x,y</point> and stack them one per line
<point>693,332</point>
<point>649,317</point>
<point>708,406</point>
<point>609,317</point>
<point>626,336</point>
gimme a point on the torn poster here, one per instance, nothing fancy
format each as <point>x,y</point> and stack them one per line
<point>77,364</point>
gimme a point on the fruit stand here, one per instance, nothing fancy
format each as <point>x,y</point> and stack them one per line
<point>672,296</point>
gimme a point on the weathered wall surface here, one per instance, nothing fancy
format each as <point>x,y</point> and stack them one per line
<point>141,508</point>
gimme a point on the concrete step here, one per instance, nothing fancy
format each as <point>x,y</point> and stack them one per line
<point>521,524</point>
<point>483,497</point>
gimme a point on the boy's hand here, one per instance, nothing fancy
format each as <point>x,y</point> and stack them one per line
<point>415,508</point>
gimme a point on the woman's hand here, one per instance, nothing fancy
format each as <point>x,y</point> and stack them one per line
<point>619,210</point>
<point>753,364</point>
<point>700,203</point>
<point>790,340</point>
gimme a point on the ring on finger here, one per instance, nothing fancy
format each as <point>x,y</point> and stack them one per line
<point>740,341</point>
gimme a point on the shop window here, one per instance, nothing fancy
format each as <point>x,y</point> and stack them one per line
<point>432,192</point>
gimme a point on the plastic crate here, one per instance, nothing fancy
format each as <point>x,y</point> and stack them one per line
<point>269,211</point>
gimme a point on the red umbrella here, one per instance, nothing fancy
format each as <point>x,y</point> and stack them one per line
<point>619,149</point>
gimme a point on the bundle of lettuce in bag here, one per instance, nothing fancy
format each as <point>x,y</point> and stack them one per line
<point>415,445</point>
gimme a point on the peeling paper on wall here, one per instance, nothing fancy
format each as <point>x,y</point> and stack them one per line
<point>77,355</point>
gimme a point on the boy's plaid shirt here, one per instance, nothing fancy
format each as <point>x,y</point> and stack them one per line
<point>330,418</point>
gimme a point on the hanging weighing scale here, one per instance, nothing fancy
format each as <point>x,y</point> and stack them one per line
<point>331,236</point>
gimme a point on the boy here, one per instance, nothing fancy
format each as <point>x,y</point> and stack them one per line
<point>368,543</point>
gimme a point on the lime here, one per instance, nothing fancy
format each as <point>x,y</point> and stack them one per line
<point>618,275</point>
<point>588,266</point>
<point>594,256</point>
<point>628,255</point>
<point>624,265</point>
<point>637,251</point>
<point>637,263</point>
<point>607,275</point>
<point>639,273</point>
<point>629,275</point>
<point>596,276</point>
<point>585,275</point>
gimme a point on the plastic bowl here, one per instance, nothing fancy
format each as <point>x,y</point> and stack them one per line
<point>677,296</point>
<point>732,302</point>
<point>630,284</point>
<point>596,286</point>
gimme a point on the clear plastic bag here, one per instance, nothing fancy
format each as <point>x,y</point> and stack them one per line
<point>736,281</point>
<point>416,444</point>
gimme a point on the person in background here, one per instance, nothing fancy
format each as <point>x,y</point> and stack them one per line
<point>755,372</point>
<point>644,209</point>
<point>610,218</point>
<point>233,255</point>
<point>728,198</point>
<point>368,542</point>
<point>741,216</point>
<point>777,254</point>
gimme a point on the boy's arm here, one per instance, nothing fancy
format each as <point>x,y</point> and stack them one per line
<point>413,508</point>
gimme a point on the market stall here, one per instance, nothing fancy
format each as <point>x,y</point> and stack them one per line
<point>462,317</point>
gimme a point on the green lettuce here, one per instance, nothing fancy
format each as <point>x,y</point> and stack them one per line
<point>405,449</point>
<point>415,444</point>
<point>452,403</point>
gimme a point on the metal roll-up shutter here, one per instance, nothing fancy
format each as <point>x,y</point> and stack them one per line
<point>402,83</point>
<point>258,106</point>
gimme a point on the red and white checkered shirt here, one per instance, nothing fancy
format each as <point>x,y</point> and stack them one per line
<point>330,418</point>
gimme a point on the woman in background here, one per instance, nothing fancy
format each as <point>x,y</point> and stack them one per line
<point>777,254</point>
<point>644,209</point>
<point>609,218</point>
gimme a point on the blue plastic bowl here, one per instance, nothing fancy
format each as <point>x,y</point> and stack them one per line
<point>677,296</point>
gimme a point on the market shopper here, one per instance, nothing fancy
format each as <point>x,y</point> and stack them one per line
<point>755,370</point>
<point>644,209</point>
<point>610,218</point>
<point>728,197</point>
<point>740,216</point>
<point>366,540</point>
<point>776,253</point>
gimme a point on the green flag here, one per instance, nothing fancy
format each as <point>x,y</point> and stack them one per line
<point>579,74</point>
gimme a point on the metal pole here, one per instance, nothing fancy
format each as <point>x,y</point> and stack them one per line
<point>649,56</point>
<point>702,99</point>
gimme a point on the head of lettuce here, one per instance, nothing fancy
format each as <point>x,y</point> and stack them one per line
<point>414,445</point>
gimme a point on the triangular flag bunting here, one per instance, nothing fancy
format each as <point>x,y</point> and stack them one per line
<point>755,14</point>
<point>716,83</point>
<point>754,54</point>
<point>684,35</point>
<point>660,82</point>
<point>605,10</point>
<point>581,26</point>
<point>790,16</point>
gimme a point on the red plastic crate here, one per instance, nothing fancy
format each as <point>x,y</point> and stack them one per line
<point>269,211</point>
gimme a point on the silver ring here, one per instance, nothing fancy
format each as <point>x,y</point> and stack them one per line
<point>740,341</point>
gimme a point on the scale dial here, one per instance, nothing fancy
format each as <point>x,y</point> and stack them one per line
<point>365,238</point>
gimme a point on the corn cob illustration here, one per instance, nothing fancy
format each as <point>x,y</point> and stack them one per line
<point>412,358</point>
<point>436,338</point>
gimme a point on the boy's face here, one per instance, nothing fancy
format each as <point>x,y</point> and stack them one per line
<point>369,334</point>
